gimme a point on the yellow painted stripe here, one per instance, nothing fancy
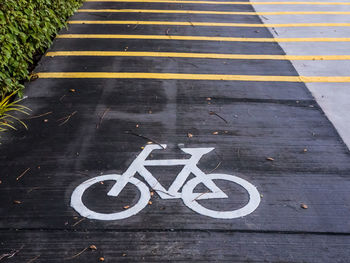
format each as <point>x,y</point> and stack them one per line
<point>203,38</point>
<point>181,23</point>
<point>135,75</point>
<point>192,55</point>
<point>222,2</point>
<point>211,12</point>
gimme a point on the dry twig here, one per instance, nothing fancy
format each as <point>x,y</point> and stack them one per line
<point>101,118</point>
<point>22,174</point>
<point>33,259</point>
<point>78,222</point>
<point>38,116</point>
<point>216,167</point>
<point>214,113</point>
<point>78,254</point>
<point>144,137</point>
<point>11,254</point>
<point>67,118</point>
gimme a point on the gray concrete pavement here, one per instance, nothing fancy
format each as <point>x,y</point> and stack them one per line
<point>333,97</point>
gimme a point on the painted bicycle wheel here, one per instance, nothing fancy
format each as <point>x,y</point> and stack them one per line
<point>189,198</point>
<point>79,206</point>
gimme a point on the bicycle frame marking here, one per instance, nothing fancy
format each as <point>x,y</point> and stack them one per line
<point>187,195</point>
<point>190,166</point>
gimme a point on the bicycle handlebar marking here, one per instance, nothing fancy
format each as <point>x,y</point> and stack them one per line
<point>189,198</point>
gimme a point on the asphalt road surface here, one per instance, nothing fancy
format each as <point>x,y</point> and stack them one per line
<point>252,170</point>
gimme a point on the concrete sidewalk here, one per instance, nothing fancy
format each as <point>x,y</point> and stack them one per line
<point>95,112</point>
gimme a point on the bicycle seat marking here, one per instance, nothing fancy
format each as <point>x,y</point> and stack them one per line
<point>189,198</point>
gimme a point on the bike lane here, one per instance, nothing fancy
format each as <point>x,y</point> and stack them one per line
<point>267,131</point>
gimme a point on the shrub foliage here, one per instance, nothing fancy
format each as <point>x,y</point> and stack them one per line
<point>27,27</point>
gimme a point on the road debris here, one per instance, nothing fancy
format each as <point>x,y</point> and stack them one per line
<point>93,247</point>
<point>22,174</point>
<point>33,259</point>
<point>216,167</point>
<point>144,137</point>
<point>101,118</point>
<point>78,254</point>
<point>270,159</point>
<point>304,206</point>
<point>38,116</point>
<point>11,254</point>
<point>78,222</point>
<point>189,135</point>
<point>217,115</point>
<point>66,118</point>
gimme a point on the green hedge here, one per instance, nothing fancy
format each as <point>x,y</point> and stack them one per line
<point>27,28</point>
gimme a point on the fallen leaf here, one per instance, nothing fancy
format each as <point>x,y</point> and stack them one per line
<point>152,193</point>
<point>270,159</point>
<point>208,98</point>
<point>72,90</point>
<point>33,76</point>
<point>189,135</point>
<point>126,206</point>
<point>124,255</point>
<point>149,202</point>
<point>304,206</point>
<point>46,120</point>
<point>102,259</point>
<point>137,125</point>
<point>305,150</point>
<point>215,133</point>
<point>93,247</point>
<point>17,202</point>
<point>149,142</point>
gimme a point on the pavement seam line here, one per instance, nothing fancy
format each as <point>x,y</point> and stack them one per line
<point>179,76</point>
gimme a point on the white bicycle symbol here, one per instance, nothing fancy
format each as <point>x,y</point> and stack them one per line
<point>189,198</point>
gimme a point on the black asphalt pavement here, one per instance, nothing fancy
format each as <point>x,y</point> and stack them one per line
<point>271,134</point>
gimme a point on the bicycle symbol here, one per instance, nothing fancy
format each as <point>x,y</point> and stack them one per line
<point>189,198</point>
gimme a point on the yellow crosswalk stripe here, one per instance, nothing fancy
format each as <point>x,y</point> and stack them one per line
<point>211,12</point>
<point>186,23</point>
<point>204,38</point>
<point>194,55</point>
<point>136,75</point>
<point>222,2</point>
